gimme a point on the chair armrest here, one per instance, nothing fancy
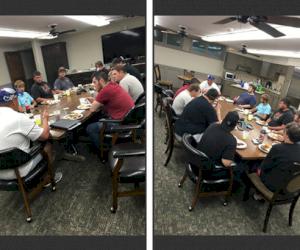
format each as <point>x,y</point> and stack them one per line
<point>134,150</point>
<point>105,120</point>
<point>260,186</point>
<point>36,149</point>
<point>120,128</point>
<point>219,166</point>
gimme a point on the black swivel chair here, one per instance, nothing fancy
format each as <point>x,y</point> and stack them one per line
<point>128,165</point>
<point>288,191</point>
<point>140,99</point>
<point>204,172</point>
<point>31,184</point>
<point>108,137</point>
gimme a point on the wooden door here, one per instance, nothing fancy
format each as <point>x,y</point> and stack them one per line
<point>55,56</point>
<point>15,66</point>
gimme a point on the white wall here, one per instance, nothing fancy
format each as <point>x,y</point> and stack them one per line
<point>184,60</point>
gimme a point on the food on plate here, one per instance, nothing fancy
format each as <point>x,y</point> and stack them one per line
<point>73,116</point>
<point>84,106</point>
<point>276,137</point>
<point>266,146</point>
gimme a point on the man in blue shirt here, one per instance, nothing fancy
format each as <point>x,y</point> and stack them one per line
<point>247,100</point>
<point>263,110</point>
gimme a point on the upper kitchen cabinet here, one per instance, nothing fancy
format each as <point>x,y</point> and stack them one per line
<point>242,63</point>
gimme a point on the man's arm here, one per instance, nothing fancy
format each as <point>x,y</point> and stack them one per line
<point>226,163</point>
<point>46,130</point>
<point>245,106</point>
<point>277,128</point>
<point>95,106</point>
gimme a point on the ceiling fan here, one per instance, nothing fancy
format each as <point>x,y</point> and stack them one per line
<point>261,23</point>
<point>242,50</point>
<point>54,33</point>
<point>182,31</point>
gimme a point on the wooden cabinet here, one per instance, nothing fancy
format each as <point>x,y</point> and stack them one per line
<point>55,56</point>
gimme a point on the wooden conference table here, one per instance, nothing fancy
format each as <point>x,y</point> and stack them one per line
<point>251,152</point>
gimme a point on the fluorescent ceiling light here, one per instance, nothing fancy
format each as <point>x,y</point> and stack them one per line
<point>130,33</point>
<point>252,34</point>
<point>92,20</point>
<point>24,34</point>
<point>280,53</point>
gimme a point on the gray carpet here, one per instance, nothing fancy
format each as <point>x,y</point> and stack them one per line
<point>80,205</point>
<point>210,217</point>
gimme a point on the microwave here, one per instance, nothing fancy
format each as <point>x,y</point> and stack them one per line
<point>229,76</point>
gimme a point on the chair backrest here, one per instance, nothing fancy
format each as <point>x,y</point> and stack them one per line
<point>157,73</point>
<point>12,158</point>
<point>141,99</point>
<point>193,155</point>
<point>136,114</point>
<point>168,93</point>
<point>158,88</point>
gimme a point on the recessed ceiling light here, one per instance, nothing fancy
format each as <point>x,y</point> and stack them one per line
<point>92,20</point>
<point>280,53</point>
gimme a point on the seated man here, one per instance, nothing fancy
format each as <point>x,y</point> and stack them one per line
<point>185,97</point>
<point>17,130</point>
<point>208,84</point>
<point>100,67</point>
<point>198,114</point>
<point>263,110</point>
<point>127,67</point>
<point>40,90</point>
<point>25,101</point>
<point>186,85</point>
<point>128,82</point>
<point>247,99</point>
<point>217,141</point>
<point>112,98</point>
<point>297,117</point>
<point>282,116</point>
<point>273,168</point>
<point>62,82</point>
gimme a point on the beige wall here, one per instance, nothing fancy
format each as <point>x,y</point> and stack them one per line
<point>184,60</point>
<point>4,75</point>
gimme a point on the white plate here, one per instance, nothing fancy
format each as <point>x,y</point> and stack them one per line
<point>84,106</point>
<point>242,145</point>
<point>229,100</point>
<point>260,122</point>
<point>69,116</point>
<point>261,148</point>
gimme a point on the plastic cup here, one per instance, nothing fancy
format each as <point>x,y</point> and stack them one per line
<point>38,120</point>
<point>245,135</point>
<point>250,117</point>
<point>68,92</point>
<point>55,96</point>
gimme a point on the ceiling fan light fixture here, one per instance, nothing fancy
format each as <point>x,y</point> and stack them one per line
<point>92,20</point>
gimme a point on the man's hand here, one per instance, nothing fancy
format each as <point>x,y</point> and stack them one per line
<point>45,115</point>
<point>90,99</point>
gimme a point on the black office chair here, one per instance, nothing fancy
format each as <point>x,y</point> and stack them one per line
<point>288,191</point>
<point>171,117</point>
<point>108,137</point>
<point>31,184</point>
<point>140,99</point>
<point>204,172</point>
<point>128,165</point>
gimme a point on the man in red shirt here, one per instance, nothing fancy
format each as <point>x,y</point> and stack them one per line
<point>115,101</point>
<point>186,86</point>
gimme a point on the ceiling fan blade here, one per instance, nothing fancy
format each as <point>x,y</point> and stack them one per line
<point>169,32</point>
<point>284,20</point>
<point>226,20</point>
<point>267,29</point>
<point>66,31</point>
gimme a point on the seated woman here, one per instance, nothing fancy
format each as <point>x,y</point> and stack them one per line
<point>274,167</point>
<point>263,110</point>
<point>25,100</point>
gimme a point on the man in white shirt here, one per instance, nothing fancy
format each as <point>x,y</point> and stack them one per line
<point>185,97</point>
<point>128,82</point>
<point>208,84</point>
<point>17,130</point>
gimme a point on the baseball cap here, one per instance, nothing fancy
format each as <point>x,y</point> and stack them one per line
<point>62,69</point>
<point>7,94</point>
<point>210,77</point>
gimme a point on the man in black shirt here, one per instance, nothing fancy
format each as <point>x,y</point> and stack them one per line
<point>128,68</point>
<point>40,90</point>
<point>218,143</point>
<point>274,167</point>
<point>100,67</point>
<point>282,116</point>
<point>198,114</point>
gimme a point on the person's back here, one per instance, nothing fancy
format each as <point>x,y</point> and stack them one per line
<point>116,100</point>
<point>197,115</point>
<point>217,143</point>
<point>181,101</point>
<point>133,71</point>
<point>132,85</point>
